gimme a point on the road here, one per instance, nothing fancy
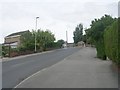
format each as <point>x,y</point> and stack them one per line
<point>14,71</point>
<point>80,70</point>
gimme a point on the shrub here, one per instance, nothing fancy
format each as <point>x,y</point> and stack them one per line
<point>111,42</point>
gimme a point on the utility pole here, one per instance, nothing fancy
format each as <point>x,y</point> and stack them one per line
<point>35,32</point>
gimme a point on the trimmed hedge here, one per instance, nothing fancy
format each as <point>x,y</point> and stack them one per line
<point>111,42</point>
<point>100,50</point>
<point>118,40</point>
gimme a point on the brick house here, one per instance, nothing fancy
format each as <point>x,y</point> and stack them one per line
<point>14,40</point>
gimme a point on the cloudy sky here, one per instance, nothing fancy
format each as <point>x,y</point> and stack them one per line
<point>58,16</point>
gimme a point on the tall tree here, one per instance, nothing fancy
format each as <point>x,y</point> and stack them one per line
<point>78,33</point>
<point>96,33</point>
<point>44,39</point>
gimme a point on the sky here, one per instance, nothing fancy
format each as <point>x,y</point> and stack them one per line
<point>58,16</point>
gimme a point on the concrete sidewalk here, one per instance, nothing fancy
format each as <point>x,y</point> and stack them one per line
<point>80,70</point>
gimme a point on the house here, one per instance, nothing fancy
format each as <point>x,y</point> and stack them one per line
<point>81,43</point>
<point>70,44</point>
<point>64,45</point>
<point>14,40</point>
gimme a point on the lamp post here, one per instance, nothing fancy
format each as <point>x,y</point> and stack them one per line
<point>35,32</point>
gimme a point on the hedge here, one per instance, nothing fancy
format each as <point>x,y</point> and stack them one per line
<point>111,42</point>
<point>100,49</point>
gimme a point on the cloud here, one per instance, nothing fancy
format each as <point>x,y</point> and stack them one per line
<point>56,15</point>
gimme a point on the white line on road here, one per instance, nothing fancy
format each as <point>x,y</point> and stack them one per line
<point>29,77</point>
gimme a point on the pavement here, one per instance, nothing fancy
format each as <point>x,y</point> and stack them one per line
<point>79,70</point>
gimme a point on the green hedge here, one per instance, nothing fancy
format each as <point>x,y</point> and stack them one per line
<point>118,40</point>
<point>111,42</point>
<point>100,49</point>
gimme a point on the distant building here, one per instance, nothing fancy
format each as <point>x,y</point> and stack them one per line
<point>64,45</point>
<point>70,44</point>
<point>14,39</point>
<point>81,43</point>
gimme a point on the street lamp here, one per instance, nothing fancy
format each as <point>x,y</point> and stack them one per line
<point>35,32</point>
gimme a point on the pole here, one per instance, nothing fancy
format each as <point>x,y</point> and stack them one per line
<point>35,32</point>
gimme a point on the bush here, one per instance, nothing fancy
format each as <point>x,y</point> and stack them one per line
<point>118,40</point>
<point>5,51</point>
<point>100,50</point>
<point>111,42</point>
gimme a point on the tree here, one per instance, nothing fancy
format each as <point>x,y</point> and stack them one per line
<point>27,41</point>
<point>89,40</point>
<point>44,39</point>
<point>60,43</point>
<point>78,33</point>
<point>96,33</point>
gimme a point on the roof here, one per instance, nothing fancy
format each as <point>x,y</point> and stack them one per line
<point>10,42</point>
<point>18,33</point>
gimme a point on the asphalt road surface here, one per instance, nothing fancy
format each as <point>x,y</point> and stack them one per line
<point>80,70</point>
<point>14,71</point>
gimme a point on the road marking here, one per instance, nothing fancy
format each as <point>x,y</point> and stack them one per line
<point>35,74</point>
<point>30,77</point>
